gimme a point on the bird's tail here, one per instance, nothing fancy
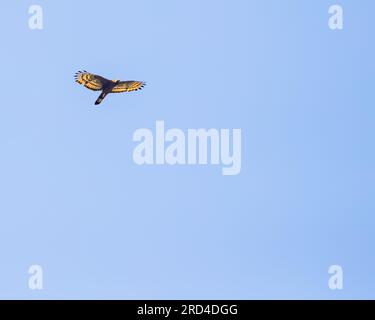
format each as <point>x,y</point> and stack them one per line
<point>100,98</point>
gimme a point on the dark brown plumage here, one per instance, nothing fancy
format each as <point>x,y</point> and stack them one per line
<point>98,83</point>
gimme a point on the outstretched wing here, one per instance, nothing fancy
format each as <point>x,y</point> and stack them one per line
<point>91,81</point>
<point>127,86</point>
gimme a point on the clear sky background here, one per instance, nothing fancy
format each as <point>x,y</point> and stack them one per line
<point>74,202</point>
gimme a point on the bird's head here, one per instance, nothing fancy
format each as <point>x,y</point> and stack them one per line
<point>116,81</point>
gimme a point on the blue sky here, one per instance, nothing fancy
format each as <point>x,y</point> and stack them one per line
<point>74,202</point>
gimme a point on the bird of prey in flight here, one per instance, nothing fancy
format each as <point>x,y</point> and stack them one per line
<point>98,83</point>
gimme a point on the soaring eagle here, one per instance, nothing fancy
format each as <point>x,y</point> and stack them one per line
<point>98,83</point>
